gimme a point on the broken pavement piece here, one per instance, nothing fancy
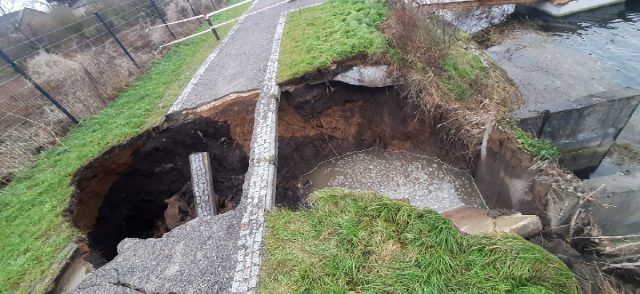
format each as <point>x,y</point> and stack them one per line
<point>369,76</point>
<point>475,221</point>
<point>524,225</point>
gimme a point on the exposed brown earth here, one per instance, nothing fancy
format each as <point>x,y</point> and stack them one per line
<point>322,121</point>
<point>141,188</point>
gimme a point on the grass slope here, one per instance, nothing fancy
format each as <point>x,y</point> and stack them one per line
<point>32,229</point>
<point>364,243</point>
<point>316,37</point>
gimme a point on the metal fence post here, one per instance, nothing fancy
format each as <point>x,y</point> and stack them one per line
<point>155,7</point>
<point>213,30</point>
<point>97,14</point>
<point>193,10</point>
<point>35,84</point>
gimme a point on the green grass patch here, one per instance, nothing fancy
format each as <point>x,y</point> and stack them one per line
<point>461,69</point>
<point>318,36</point>
<point>539,148</point>
<point>32,229</point>
<point>352,242</point>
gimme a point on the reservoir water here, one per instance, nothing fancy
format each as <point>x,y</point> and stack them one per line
<point>425,182</point>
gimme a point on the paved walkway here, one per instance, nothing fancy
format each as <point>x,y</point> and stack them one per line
<point>240,63</point>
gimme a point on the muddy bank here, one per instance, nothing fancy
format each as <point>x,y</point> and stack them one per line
<point>142,188</point>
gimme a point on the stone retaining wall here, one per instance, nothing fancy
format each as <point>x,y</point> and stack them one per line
<point>584,129</point>
<point>260,184</point>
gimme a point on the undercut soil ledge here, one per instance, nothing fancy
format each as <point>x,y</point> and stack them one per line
<point>141,188</point>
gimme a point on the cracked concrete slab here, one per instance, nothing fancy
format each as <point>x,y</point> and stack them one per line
<point>197,257</point>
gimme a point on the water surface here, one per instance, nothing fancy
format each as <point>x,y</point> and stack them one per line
<point>425,182</point>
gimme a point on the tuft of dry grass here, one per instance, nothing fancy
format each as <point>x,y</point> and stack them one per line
<point>73,86</point>
<point>460,88</point>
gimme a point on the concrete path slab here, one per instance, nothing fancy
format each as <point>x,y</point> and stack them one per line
<point>240,63</point>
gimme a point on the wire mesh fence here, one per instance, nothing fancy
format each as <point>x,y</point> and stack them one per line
<point>82,63</point>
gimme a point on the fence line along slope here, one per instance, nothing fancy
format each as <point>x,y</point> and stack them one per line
<point>33,232</point>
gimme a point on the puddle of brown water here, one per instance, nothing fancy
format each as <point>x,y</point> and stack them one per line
<point>426,182</point>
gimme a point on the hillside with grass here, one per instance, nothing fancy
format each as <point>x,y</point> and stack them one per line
<point>350,242</point>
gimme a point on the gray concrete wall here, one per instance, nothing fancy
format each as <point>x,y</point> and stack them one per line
<point>583,129</point>
<point>617,210</point>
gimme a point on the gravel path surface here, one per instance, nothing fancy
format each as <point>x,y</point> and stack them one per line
<point>240,63</point>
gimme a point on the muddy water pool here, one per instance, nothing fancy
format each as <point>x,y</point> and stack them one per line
<point>425,182</point>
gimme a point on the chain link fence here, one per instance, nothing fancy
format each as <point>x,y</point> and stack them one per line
<point>81,65</point>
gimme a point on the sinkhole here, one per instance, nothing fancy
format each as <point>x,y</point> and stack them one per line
<point>142,187</point>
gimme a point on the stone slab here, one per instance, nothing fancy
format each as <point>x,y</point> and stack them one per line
<point>524,225</point>
<point>584,129</point>
<point>368,76</point>
<point>475,221</point>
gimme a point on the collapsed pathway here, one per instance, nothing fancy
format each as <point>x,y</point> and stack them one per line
<point>220,254</point>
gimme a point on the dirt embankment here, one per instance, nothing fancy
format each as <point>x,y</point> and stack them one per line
<point>141,188</point>
<point>322,121</point>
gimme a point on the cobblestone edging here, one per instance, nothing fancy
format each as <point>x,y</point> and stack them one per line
<point>177,105</point>
<point>202,186</point>
<point>259,188</point>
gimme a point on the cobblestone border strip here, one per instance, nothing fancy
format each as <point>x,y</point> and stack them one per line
<point>260,184</point>
<point>201,180</point>
<point>177,105</point>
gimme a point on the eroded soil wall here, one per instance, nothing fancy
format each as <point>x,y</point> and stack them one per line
<point>322,121</point>
<point>142,188</point>
<point>506,179</point>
